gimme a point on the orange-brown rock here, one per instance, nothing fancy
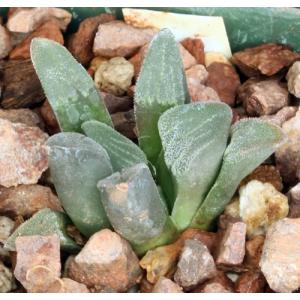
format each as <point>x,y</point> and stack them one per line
<point>263,97</point>
<point>250,282</point>
<point>49,30</point>
<point>80,44</point>
<point>26,200</point>
<point>253,251</point>
<point>265,173</point>
<point>23,154</point>
<point>23,19</point>
<point>266,59</point>
<point>49,117</point>
<point>38,261</point>
<point>224,80</point>
<point>166,285</point>
<point>106,262</point>
<point>196,47</point>
<point>279,261</point>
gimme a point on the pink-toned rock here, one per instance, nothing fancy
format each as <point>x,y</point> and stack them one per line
<point>65,285</point>
<point>263,97</point>
<point>287,156</point>
<point>23,153</point>
<point>26,200</point>
<point>281,116</point>
<point>195,265</point>
<point>166,285</point>
<point>294,201</point>
<point>38,260</point>
<point>197,73</point>
<point>250,282</point>
<point>293,79</point>
<point>5,42</point>
<point>106,262</point>
<point>120,39</point>
<point>199,92</point>
<point>224,79</point>
<point>231,250</point>
<point>80,44</point>
<point>280,262</point>
<point>195,48</point>
<point>50,30</point>
<point>23,19</point>
<point>21,115</point>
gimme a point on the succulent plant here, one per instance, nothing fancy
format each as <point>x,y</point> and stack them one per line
<point>197,158</point>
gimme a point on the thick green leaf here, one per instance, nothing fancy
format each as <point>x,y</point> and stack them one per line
<point>161,85</point>
<point>135,209</point>
<point>252,141</point>
<point>122,151</point>
<point>76,164</point>
<point>194,138</point>
<point>69,89</point>
<point>45,222</point>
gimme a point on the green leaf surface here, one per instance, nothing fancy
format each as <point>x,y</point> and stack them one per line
<point>45,222</point>
<point>194,138</point>
<point>252,141</point>
<point>161,85</point>
<point>68,87</point>
<point>76,164</point>
<point>134,207</point>
<point>122,151</point>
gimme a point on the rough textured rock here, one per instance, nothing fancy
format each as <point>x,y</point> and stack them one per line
<point>198,73</point>
<point>106,261</point>
<point>49,30</point>
<point>49,118</point>
<point>265,173</point>
<point>250,282</point>
<point>293,79</point>
<point>5,42</point>
<point>231,249</point>
<point>263,97</point>
<point>64,285</point>
<point>6,228</point>
<point>195,265</point>
<point>253,251</point>
<point>37,256</point>
<point>287,156</point>
<point>282,115</point>
<point>6,279</point>
<point>80,44</point>
<point>211,57</point>
<point>279,262</point>
<point>224,80</point>
<point>120,39</point>
<point>294,201</point>
<point>166,285</point>
<point>21,115</point>
<point>28,19</point>
<point>219,284</point>
<point>162,261</point>
<point>260,204</point>
<point>199,92</point>
<point>266,59</point>
<point>114,76</point>
<point>23,154</point>
<point>26,200</point>
<point>196,48</point>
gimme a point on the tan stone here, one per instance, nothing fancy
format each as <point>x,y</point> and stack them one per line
<point>166,285</point>
<point>293,79</point>
<point>294,201</point>
<point>23,154</point>
<point>106,262</point>
<point>280,262</point>
<point>120,39</point>
<point>5,42</point>
<point>28,19</point>
<point>6,228</point>
<point>6,279</point>
<point>281,116</point>
<point>253,251</point>
<point>26,200</point>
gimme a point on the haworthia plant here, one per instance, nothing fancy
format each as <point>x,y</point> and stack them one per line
<point>135,209</point>
<point>123,152</point>
<point>252,141</point>
<point>68,87</point>
<point>161,85</point>
<point>76,164</point>
<point>45,222</point>
<point>194,138</point>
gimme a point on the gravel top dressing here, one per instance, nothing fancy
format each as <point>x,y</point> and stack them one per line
<point>157,152</point>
